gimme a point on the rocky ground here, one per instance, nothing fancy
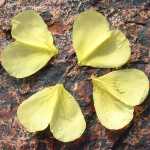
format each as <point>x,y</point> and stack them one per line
<point>130,16</point>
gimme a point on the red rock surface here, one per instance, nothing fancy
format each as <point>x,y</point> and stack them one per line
<point>132,17</point>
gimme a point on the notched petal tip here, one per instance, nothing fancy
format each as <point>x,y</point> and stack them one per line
<point>33,47</point>
<point>56,107</point>
<point>116,93</point>
<point>96,45</point>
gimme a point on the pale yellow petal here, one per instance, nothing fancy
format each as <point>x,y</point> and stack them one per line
<point>33,47</point>
<point>89,30</point>
<point>54,106</point>
<point>68,122</point>
<point>131,86</point>
<point>111,113</point>
<point>36,112</point>
<point>21,60</point>
<point>29,28</point>
<point>96,45</point>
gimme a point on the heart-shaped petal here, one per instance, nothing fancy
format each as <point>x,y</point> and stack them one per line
<point>116,93</point>
<point>33,47</point>
<point>96,45</point>
<point>54,106</point>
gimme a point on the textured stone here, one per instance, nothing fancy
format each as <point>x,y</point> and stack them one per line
<point>132,17</point>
